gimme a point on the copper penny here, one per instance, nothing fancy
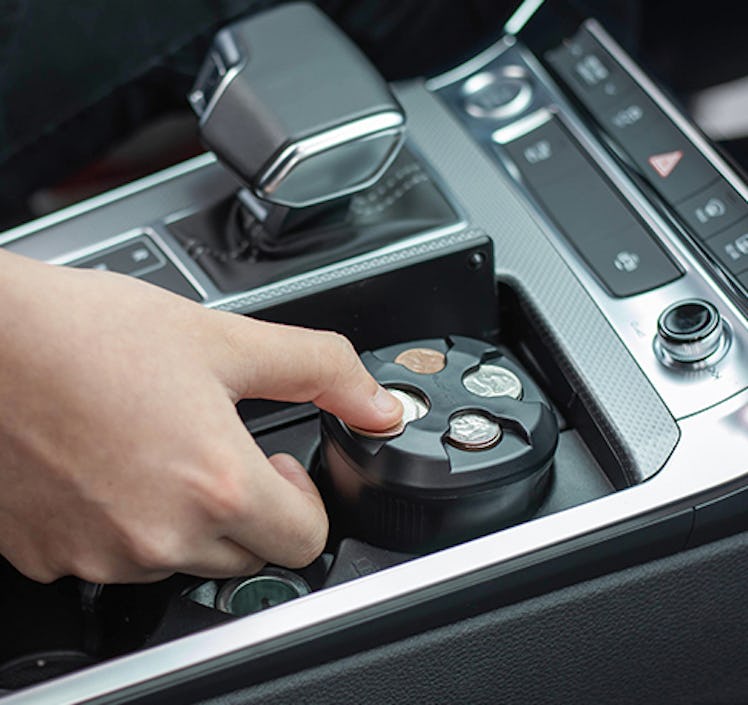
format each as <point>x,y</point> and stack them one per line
<point>423,361</point>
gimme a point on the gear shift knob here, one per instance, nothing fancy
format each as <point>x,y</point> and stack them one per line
<point>294,109</point>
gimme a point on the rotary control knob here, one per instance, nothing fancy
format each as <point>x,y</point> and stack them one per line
<point>691,333</point>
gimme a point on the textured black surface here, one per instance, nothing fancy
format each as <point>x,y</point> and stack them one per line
<point>671,631</point>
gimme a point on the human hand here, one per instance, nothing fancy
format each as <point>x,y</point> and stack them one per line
<point>122,456</point>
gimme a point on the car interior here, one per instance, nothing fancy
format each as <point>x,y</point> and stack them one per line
<point>538,240</point>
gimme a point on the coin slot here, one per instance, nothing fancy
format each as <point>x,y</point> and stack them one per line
<point>492,381</point>
<point>422,361</point>
<point>473,431</point>
<point>415,406</point>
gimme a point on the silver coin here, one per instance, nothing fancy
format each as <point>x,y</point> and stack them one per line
<point>414,407</point>
<point>472,431</point>
<point>493,381</point>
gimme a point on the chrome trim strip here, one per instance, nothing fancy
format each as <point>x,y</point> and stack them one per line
<point>681,483</point>
<point>472,65</point>
<point>90,204</point>
<point>387,123</point>
<point>523,126</point>
<point>191,270</point>
<point>667,106</point>
<point>510,109</point>
<point>522,15</point>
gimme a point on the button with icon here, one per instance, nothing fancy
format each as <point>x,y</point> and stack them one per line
<point>730,247</point>
<point>629,262</point>
<point>713,210</point>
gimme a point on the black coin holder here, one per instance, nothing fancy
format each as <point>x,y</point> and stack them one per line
<point>416,491</point>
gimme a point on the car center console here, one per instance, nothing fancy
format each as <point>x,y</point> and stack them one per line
<point>552,273</point>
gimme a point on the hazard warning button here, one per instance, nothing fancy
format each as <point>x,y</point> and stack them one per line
<point>664,164</point>
<point>663,154</point>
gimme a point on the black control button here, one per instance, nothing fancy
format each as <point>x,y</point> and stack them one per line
<point>688,321</point>
<point>590,71</point>
<point>629,262</point>
<point>730,247</point>
<point>585,207</point>
<point>712,210</point>
<point>690,332</point>
<point>662,153</point>
<point>546,155</point>
<point>498,95</point>
<point>572,191</point>
<point>134,257</point>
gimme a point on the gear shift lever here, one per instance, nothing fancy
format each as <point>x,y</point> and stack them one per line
<point>295,110</point>
<point>300,116</point>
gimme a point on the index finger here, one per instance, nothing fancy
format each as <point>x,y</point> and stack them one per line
<point>289,363</point>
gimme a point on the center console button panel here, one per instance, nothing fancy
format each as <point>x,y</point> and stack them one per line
<point>730,246</point>
<point>592,215</point>
<point>592,72</point>
<point>664,155</point>
<point>601,209</point>
<point>691,183</point>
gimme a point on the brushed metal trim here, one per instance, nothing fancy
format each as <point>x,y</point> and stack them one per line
<point>471,65</point>
<point>634,318</point>
<point>103,199</point>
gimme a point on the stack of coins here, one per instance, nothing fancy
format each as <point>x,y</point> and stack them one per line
<point>473,431</point>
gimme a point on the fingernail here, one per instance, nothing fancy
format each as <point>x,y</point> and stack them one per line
<point>385,402</point>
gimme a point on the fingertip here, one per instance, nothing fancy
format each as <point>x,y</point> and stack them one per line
<point>387,405</point>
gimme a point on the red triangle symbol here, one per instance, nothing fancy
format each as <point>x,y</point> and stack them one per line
<point>664,164</point>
